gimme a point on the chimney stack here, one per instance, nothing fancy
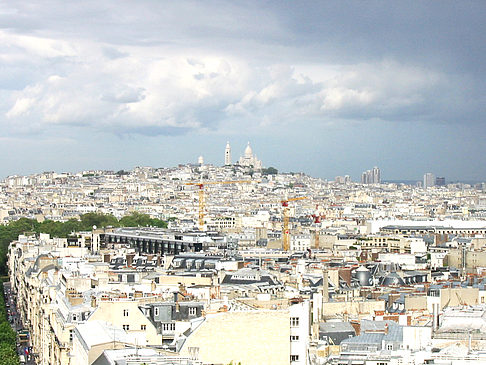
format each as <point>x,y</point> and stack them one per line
<point>435,317</point>
<point>325,286</point>
<point>325,290</point>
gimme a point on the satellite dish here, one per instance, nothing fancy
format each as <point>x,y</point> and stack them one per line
<point>94,227</point>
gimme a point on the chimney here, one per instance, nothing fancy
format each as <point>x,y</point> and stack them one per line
<point>74,297</point>
<point>130,257</point>
<point>435,317</point>
<point>357,326</point>
<point>325,291</point>
<point>325,286</point>
<point>177,305</point>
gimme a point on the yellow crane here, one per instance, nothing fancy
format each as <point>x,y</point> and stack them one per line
<point>286,231</point>
<point>202,197</point>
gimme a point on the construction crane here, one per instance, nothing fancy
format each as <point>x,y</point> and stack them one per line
<point>202,197</point>
<point>317,220</point>
<point>286,231</point>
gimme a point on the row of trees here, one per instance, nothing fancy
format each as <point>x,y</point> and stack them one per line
<point>11,231</point>
<point>8,348</point>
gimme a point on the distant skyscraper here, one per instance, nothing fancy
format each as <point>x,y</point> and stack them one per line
<point>227,154</point>
<point>440,181</point>
<point>371,176</point>
<point>376,175</point>
<point>429,180</point>
<point>364,178</point>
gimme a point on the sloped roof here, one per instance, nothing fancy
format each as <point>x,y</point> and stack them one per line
<point>98,332</point>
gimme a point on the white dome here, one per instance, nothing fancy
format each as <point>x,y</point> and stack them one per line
<point>248,151</point>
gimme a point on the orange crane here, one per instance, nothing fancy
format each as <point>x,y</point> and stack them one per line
<point>286,231</point>
<point>202,198</point>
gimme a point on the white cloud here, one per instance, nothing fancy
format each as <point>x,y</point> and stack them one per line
<point>21,106</point>
<point>23,47</point>
<point>189,90</point>
<point>162,87</point>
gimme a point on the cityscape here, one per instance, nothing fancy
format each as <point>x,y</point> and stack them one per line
<point>242,182</point>
<point>320,272</point>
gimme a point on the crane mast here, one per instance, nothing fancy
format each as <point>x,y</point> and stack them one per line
<point>202,196</point>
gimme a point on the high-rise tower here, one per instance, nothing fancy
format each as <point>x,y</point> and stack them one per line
<point>429,180</point>
<point>227,154</point>
<point>376,175</point>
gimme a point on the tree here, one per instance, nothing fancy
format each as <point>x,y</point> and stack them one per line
<point>11,231</point>
<point>137,219</point>
<point>270,171</point>
<point>8,353</point>
<point>89,220</point>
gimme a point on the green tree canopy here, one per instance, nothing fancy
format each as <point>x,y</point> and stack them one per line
<point>11,231</point>
<point>137,219</point>
<point>99,220</point>
<point>270,171</point>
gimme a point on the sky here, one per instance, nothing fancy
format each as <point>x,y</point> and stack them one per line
<point>321,87</point>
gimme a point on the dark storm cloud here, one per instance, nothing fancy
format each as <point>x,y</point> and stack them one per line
<point>175,68</point>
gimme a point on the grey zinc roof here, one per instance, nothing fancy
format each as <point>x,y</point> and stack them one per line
<point>395,334</point>
<point>365,338</point>
<point>335,327</point>
<point>368,325</point>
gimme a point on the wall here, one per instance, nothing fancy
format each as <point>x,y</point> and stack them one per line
<point>353,307</point>
<point>112,312</point>
<point>452,297</point>
<point>252,337</point>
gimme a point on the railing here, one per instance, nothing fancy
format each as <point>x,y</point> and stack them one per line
<point>459,336</point>
<point>135,360</point>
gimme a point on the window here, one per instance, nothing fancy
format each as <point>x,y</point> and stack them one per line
<point>156,311</point>
<point>294,357</point>
<point>294,338</point>
<point>192,311</point>
<point>70,335</point>
<point>126,327</point>
<point>143,327</point>
<point>168,326</point>
<point>294,321</point>
<point>125,313</point>
<point>389,347</point>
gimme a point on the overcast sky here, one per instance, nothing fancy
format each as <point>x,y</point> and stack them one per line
<point>324,87</point>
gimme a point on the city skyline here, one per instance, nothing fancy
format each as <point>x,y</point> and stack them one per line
<point>321,88</point>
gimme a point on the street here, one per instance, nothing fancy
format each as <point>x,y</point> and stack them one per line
<point>24,348</point>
